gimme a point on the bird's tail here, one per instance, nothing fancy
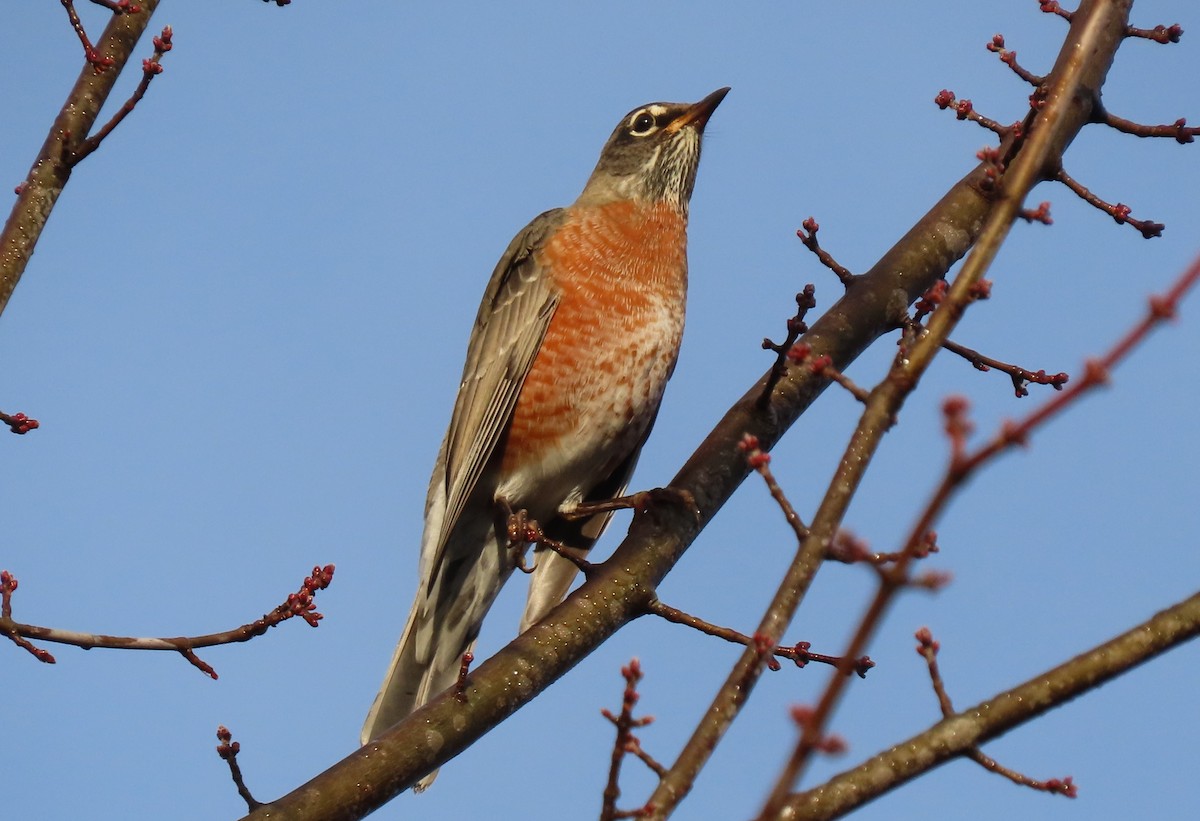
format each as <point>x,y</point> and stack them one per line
<point>441,627</point>
<point>409,684</point>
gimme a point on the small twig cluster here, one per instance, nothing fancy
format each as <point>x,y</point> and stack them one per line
<point>849,549</point>
<point>1178,130</point>
<point>524,531</point>
<point>965,110</point>
<point>962,463</point>
<point>822,365</point>
<point>829,744</point>
<point>1052,7</point>
<point>1160,34</point>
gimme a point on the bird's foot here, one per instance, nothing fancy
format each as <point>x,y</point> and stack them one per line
<point>522,532</point>
<point>523,529</point>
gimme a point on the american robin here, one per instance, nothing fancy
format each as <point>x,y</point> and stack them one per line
<point>572,347</point>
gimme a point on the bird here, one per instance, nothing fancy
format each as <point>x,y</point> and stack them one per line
<point>577,334</point>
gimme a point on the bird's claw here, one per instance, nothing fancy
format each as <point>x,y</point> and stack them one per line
<point>522,532</point>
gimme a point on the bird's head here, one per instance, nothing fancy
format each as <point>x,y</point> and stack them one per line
<point>652,154</point>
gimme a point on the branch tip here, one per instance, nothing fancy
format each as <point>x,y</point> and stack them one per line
<point>19,423</point>
<point>808,235</point>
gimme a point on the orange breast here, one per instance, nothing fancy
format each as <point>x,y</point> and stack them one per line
<point>621,270</point>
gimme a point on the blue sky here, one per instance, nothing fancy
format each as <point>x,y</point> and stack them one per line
<point>244,325</point>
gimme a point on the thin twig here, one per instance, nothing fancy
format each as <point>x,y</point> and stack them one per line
<point>1009,58</point>
<point>624,743</point>
<point>1052,7</point>
<point>1041,214</point>
<point>8,586</point>
<point>1160,34</point>
<point>1056,786</point>
<point>965,110</point>
<point>799,653</point>
<point>1118,211</point>
<point>1020,376</point>
<point>524,531</point>
<point>299,604</point>
<point>761,462</point>
<point>1177,131</point>
<point>808,235</point>
<point>228,749</point>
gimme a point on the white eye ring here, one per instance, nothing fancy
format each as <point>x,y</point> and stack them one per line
<point>642,124</point>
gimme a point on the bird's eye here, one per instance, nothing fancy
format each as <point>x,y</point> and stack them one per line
<point>643,124</point>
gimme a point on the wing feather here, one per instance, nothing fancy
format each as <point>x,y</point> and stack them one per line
<point>509,328</point>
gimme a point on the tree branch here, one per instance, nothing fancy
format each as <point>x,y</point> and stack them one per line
<point>962,732</point>
<point>620,589</point>
<point>1060,110</point>
<point>51,169</point>
<point>300,603</point>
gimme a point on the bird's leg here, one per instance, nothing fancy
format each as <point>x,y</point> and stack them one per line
<point>639,502</point>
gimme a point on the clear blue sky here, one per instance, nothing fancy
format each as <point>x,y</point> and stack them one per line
<point>244,325</point>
